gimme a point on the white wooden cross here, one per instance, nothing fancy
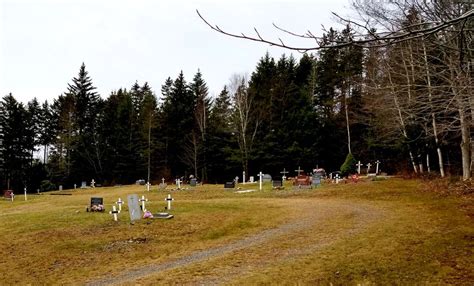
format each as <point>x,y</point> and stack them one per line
<point>119,203</point>
<point>93,183</point>
<point>337,178</point>
<point>114,212</point>
<point>163,181</point>
<point>299,170</point>
<point>143,200</point>
<point>377,166</point>
<point>368,167</point>
<point>148,186</point>
<point>178,183</point>
<point>284,172</point>
<point>25,194</point>
<point>169,199</point>
<point>261,179</point>
<point>358,167</point>
<point>243,177</point>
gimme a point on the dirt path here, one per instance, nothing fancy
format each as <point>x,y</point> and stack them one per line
<point>312,213</point>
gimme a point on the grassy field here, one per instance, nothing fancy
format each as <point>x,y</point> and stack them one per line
<point>373,232</point>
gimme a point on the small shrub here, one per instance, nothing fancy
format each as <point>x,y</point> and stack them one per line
<point>349,166</point>
<point>46,186</point>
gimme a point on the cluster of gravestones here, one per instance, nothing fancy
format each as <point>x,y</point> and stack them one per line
<point>136,207</point>
<point>300,181</point>
<point>377,163</point>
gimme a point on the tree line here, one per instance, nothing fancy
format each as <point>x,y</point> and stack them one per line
<point>409,105</point>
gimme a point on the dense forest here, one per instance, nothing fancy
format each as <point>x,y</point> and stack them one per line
<point>409,105</point>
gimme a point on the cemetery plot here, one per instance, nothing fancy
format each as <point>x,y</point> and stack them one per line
<point>97,205</point>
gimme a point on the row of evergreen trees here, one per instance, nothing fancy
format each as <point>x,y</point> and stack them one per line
<point>309,113</point>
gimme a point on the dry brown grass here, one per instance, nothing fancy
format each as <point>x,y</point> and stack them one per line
<point>385,232</point>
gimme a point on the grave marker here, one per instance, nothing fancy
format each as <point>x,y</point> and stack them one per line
<point>178,183</point>
<point>193,182</point>
<point>243,177</point>
<point>114,212</point>
<point>83,184</point>
<point>133,207</point>
<point>368,167</point>
<point>60,187</point>
<point>92,183</point>
<point>75,186</point>
<point>143,200</point>
<point>163,184</point>
<point>337,178</point>
<point>251,179</point>
<point>148,186</point>
<point>229,185</point>
<point>119,203</point>
<point>358,167</point>
<point>260,180</point>
<point>25,194</point>
<point>169,199</point>
<point>284,172</point>
<point>377,166</point>
<point>299,170</point>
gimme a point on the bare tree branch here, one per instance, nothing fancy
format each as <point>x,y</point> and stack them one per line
<point>368,39</point>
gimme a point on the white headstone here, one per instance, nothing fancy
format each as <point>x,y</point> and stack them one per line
<point>114,212</point>
<point>169,199</point>
<point>148,186</point>
<point>60,187</point>
<point>243,177</point>
<point>358,167</point>
<point>75,186</point>
<point>299,170</point>
<point>133,207</point>
<point>143,200</point>
<point>251,179</point>
<point>119,203</point>
<point>377,166</point>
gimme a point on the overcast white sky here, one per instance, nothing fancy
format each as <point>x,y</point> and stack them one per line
<point>44,42</point>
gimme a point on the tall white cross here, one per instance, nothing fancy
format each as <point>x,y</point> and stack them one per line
<point>299,170</point>
<point>358,167</point>
<point>143,200</point>
<point>93,183</point>
<point>178,183</point>
<point>243,177</point>
<point>114,212</point>
<point>284,172</point>
<point>377,166</point>
<point>148,186</point>
<point>368,167</point>
<point>169,199</point>
<point>119,203</point>
<point>261,179</point>
<point>25,195</point>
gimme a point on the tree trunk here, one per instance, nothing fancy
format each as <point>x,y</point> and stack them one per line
<point>346,109</point>
<point>433,116</point>
<point>465,145</point>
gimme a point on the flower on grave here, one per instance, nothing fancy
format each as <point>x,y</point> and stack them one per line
<point>147,214</point>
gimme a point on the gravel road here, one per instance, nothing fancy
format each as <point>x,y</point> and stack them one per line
<point>312,212</point>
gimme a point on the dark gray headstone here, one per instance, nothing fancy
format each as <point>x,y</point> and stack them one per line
<point>134,207</point>
<point>229,185</point>
<point>277,183</point>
